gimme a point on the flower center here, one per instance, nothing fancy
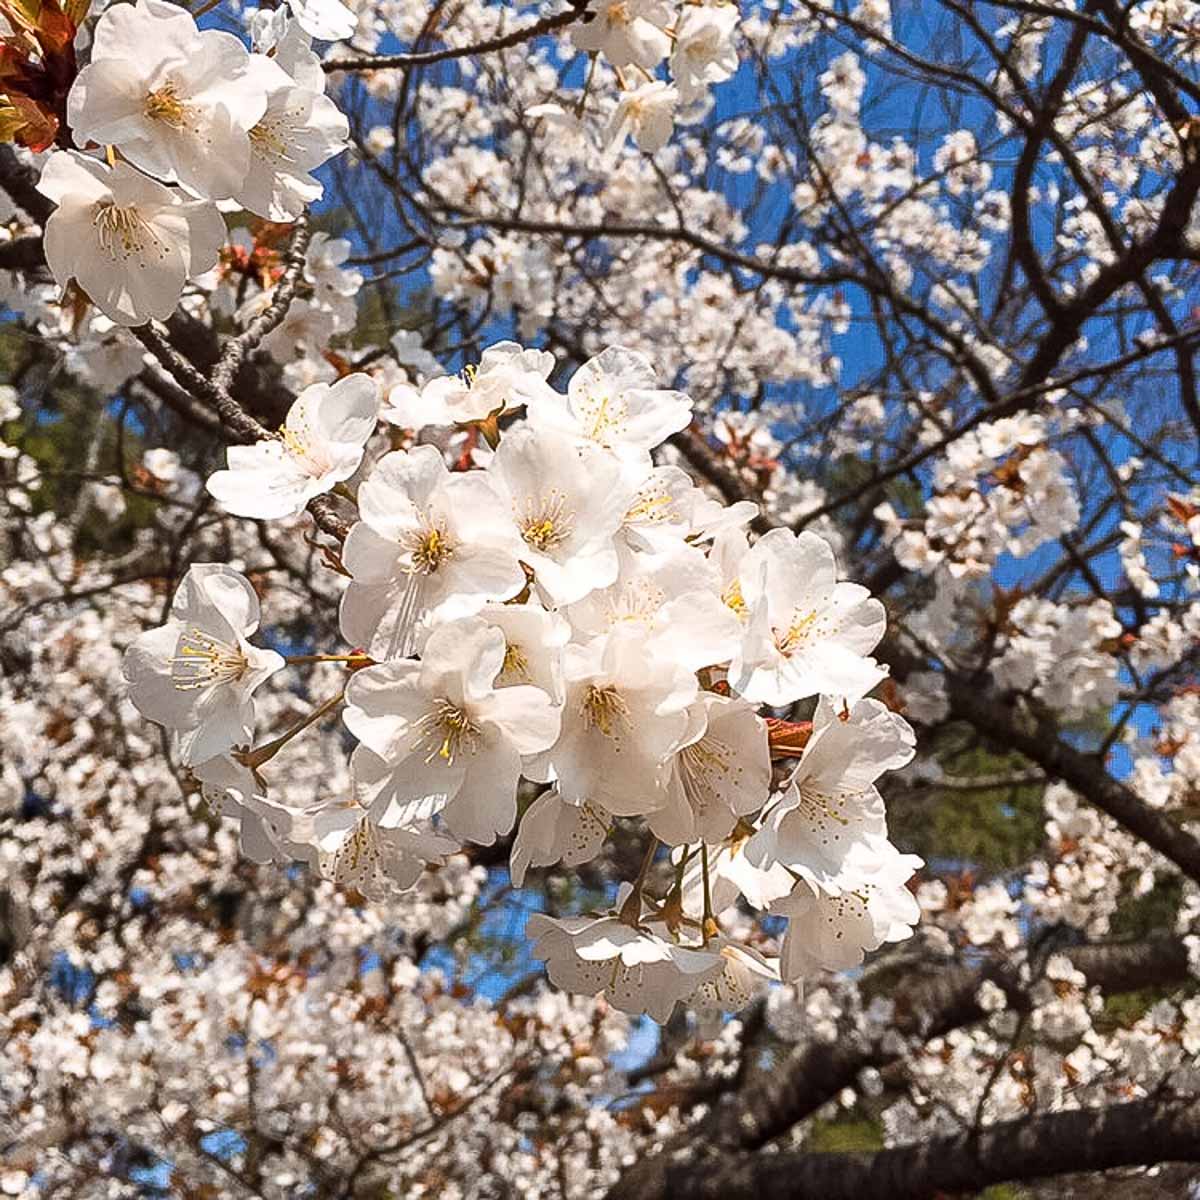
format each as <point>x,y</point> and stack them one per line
<point>300,445</point>
<point>823,809</point>
<point>548,522</point>
<point>122,231</point>
<point>604,709</point>
<point>601,415</point>
<point>798,634</point>
<point>429,547</point>
<point>732,598</point>
<point>163,104</point>
<point>516,663</point>
<point>639,600</point>
<point>202,660</point>
<point>700,767</point>
<point>266,137</point>
<point>445,731</point>
<point>651,507</point>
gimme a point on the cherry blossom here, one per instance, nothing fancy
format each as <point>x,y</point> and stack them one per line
<point>196,674</point>
<point>320,445</point>
<point>130,243</point>
<point>444,730</point>
<point>805,632</point>
<point>182,113</point>
<point>428,544</point>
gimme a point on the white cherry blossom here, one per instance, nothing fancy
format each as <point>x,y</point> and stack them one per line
<point>831,803</point>
<point>832,932</point>
<point>626,31</point>
<point>443,729</point>
<point>552,831</point>
<point>625,714</point>
<point>637,970</point>
<point>565,502</point>
<point>177,101</point>
<point>430,545</point>
<point>130,243</point>
<point>506,378</point>
<point>196,674</point>
<point>300,130</point>
<point>704,52</point>
<point>614,400</point>
<point>320,444</point>
<point>805,632</point>
<point>722,771</point>
<point>647,112</point>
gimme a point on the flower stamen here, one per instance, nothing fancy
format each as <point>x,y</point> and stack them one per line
<point>202,660</point>
<point>445,732</point>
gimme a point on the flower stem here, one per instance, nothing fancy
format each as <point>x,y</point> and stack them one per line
<point>631,910</point>
<point>294,660</point>
<point>263,754</point>
<point>709,924</point>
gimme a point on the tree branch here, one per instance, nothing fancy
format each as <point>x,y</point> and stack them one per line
<point>1138,1133</point>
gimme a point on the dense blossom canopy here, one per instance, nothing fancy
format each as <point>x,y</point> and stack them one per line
<point>588,588</point>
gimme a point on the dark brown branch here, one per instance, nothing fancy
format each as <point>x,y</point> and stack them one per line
<point>506,41</point>
<point>995,717</point>
<point>1139,1133</point>
<point>927,1005</point>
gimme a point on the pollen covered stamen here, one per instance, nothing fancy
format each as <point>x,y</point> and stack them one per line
<point>163,104</point>
<point>650,508</point>
<point>202,660</point>
<point>429,547</point>
<point>445,732</point>
<point>548,522</point>
<point>602,415</point>
<point>267,139</point>
<point>824,810</point>
<point>703,768</point>
<point>302,447</point>
<point>733,599</point>
<point>604,709</point>
<point>798,634</point>
<point>123,233</point>
<point>516,663</point>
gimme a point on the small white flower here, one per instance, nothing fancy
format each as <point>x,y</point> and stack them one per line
<point>441,729</point>
<point>321,444</point>
<point>507,378</point>
<point>637,970</point>
<point>614,400</point>
<point>354,849</point>
<point>832,804</point>
<point>626,31</point>
<point>833,932</point>
<point>721,771</point>
<point>299,130</point>
<point>326,20</point>
<point>704,52</point>
<point>565,503</point>
<point>648,113</point>
<point>625,714</point>
<point>806,633</point>
<point>430,546</point>
<point>196,674</point>
<point>128,242</point>
<point>553,831</point>
<point>177,101</point>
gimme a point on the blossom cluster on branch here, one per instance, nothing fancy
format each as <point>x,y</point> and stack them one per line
<point>559,609</point>
<point>476,664</point>
<point>188,119</point>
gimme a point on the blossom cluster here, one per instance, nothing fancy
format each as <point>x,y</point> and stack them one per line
<point>191,122</point>
<point>559,610</point>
